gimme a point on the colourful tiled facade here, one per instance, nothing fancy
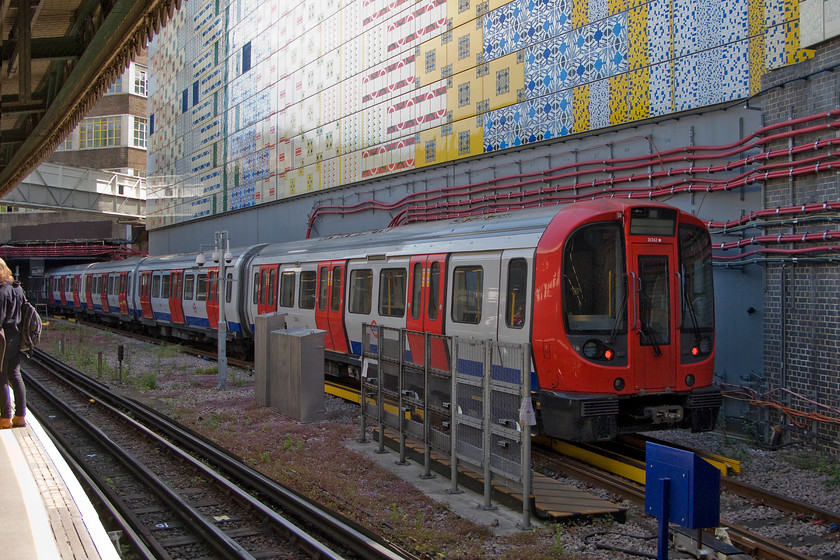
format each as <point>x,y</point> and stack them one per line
<point>255,101</point>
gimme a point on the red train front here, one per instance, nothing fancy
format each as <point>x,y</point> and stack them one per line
<point>623,335</point>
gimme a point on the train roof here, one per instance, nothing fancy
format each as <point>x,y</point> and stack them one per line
<point>486,232</point>
<point>479,233</point>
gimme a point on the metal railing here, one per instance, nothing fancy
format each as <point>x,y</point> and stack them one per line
<point>467,398</point>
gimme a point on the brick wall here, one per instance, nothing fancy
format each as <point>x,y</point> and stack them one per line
<point>802,296</point>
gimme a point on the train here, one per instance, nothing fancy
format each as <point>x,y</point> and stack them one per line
<point>614,297</point>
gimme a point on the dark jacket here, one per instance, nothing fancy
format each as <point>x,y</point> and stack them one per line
<point>12,297</point>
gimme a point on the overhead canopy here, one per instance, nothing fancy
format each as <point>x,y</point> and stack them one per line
<point>57,58</point>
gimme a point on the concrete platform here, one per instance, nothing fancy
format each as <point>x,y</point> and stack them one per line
<point>46,514</point>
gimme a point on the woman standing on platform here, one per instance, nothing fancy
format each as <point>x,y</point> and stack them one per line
<point>12,297</point>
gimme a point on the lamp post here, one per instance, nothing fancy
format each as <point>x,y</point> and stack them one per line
<point>223,257</point>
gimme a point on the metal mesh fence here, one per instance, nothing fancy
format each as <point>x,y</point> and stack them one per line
<point>409,382</point>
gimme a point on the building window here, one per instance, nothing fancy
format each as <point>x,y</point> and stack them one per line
<point>246,57</point>
<point>100,132</point>
<point>140,132</point>
<point>140,80</point>
<point>116,87</point>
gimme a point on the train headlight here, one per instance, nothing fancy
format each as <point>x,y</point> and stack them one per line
<point>592,349</point>
<point>596,350</point>
<point>706,345</point>
<point>689,380</point>
<point>618,384</point>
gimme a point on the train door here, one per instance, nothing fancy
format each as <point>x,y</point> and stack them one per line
<point>176,308</point>
<point>426,298</point>
<point>76,284</point>
<point>123,293</point>
<point>146,294</point>
<point>329,310</point>
<point>266,289</point>
<point>61,292</point>
<point>88,291</point>
<point>212,297</point>
<point>653,278</point>
<point>103,293</point>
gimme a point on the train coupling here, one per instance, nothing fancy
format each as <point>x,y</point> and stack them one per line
<point>664,414</point>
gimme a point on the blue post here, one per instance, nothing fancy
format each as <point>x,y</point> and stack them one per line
<point>663,515</point>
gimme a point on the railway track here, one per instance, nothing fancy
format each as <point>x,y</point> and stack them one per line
<point>747,540</point>
<point>175,494</point>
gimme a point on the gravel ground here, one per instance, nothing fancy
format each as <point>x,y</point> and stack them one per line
<point>313,459</point>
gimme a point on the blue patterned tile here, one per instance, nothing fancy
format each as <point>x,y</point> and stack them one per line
<point>599,104</point>
<point>660,89</point>
<point>659,31</point>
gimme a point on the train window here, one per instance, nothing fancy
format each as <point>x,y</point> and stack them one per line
<point>155,286</point>
<point>466,295</point>
<point>229,287</point>
<point>189,287</point>
<point>434,291</point>
<point>263,285</point>
<point>517,290</point>
<point>144,285</point>
<point>323,286</point>
<point>654,300</point>
<point>256,298</point>
<point>697,290</point>
<point>416,290</point>
<point>306,300</point>
<point>335,303</point>
<point>287,289</point>
<point>165,285</point>
<point>111,285</point>
<point>201,288</point>
<point>361,291</point>
<point>272,287</point>
<point>392,292</point>
<point>594,297</point>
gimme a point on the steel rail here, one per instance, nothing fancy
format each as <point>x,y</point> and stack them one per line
<point>361,541</point>
<point>741,537</point>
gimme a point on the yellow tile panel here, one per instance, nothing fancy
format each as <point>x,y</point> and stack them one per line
<point>467,139</point>
<point>637,37</point>
<point>638,89</point>
<point>462,96</point>
<point>461,11</point>
<point>618,99</point>
<point>431,58</point>
<point>581,97</point>
<point>580,13</point>
<point>503,78</point>
<point>757,52</point>
<point>466,44</point>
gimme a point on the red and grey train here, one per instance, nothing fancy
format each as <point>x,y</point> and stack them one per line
<point>614,297</point>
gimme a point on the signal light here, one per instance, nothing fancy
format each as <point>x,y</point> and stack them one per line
<point>608,354</point>
<point>695,351</point>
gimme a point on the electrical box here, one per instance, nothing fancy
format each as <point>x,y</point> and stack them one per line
<point>297,373</point>
<point>694,489</point>
<point>263,325</point>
